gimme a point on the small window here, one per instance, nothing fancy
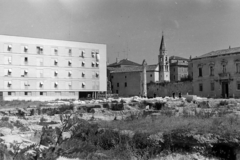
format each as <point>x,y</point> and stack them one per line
<point>93,64</point>
<point>200,72</point>
<point>55,62</point>
<point>55,73</point>
<point>25,93</point>
<point>224,68</point>
<point>97,64</point>
<point>125,84</point>
<point>237,67</point>
<point>69,63</point>
<point>55,85</point>
<point>9,93</point>
<point>93,54</point>
<point>41,84</point>
<point>9,84</point>
<point>211,71</point>
<point>111,76</point>
<point>82,54</point>
<point>97,56</point>
<point>212,86</point>
<point>25,73</point>
<point>97,75</point>
<point>9,48</point>
<point>83,64</point>
<point>9,59</point>
<point>150,75</point>
<point>70,85</point>
<point>41,93</point>
<point>9,72</point>
<point>25,60</point>
<point>200,87</point>
<point>83,74</point>
<point>56,51</point>
<point>238,85</point>
<point>83,85</point>
<point>25,49</point>
<point>39,50</point>
<point>70,52</point>
<point>117,91</point>
<point>117,84</point>
<point>69,74</point>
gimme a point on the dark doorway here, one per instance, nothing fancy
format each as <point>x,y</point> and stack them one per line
<point>1,96</point>
<point>225,89</point>
<point>85,95</point>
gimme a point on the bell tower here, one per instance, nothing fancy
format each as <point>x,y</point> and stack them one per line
<point>163,61</point>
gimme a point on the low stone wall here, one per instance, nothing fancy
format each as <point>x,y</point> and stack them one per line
<point>166,89</point>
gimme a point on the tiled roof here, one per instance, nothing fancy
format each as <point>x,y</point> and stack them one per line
<point>132,69</point>
<point>178,58</point>
<point>124,62</point>
<point>220,52</point>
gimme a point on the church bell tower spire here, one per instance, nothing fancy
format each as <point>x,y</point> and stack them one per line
<point>163,61</point>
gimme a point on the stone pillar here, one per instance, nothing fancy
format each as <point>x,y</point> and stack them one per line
<point>144,79</point>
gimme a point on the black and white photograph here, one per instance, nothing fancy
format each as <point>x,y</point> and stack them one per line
<point>120,80</point>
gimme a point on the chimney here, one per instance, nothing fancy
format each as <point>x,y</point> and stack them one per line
<point>229,47</point>
<point>116,60</point>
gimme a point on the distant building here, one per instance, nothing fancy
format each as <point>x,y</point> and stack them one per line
<point>163,61</point>
<point>43,69</point>
<point>217,74</point>
<point>127,81</point>
<point>178,68</point>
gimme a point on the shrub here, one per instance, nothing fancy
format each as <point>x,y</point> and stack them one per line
<point>158,105</point>
<point>117,106</point>
<point>223,103</point>
<point>5,119</point>
<point>6,124</point>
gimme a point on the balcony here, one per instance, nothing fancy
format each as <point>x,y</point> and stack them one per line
<point>224,76</point>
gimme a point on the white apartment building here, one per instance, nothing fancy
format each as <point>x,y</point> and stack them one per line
<point>43,69</point>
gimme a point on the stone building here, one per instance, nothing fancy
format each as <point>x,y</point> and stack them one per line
<point>127,81</point>
<point>43,69</point>
<point>178,68</point>
<point>217,73</point>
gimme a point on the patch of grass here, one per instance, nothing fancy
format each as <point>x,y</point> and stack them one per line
<point>20,104</point>
<point>221,125</point>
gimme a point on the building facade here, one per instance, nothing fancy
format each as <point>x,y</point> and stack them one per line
<point>163,61</point>
<point>178,68</point>
<point>217,74</point>
<point>43,69</point>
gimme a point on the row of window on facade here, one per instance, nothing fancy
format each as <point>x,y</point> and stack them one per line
<point>212,86</point>
<point>125,84</point>
<point>181,69</point>
<point>40,93</point>
<point>211,69</point>
<point>24,73</point>
<point>41,85</point>
<point>39,50</point>
<point>55,62</point>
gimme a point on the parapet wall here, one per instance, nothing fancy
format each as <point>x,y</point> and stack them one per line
<point>166,89</point>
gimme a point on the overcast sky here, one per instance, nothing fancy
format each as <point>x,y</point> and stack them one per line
<point>130,28</point>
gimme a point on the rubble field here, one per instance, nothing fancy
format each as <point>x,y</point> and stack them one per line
<point>159,128</point>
